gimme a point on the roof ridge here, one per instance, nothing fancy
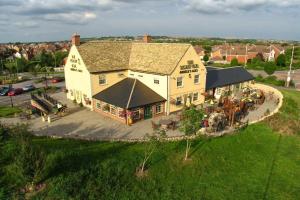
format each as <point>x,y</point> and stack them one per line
<point>131,92</point>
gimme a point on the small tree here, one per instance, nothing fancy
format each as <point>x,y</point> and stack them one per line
<point>281,60</point>
<point>150,147</point>
<point>205,58</point>
<point>270,68</point>
<point>190,124</point>
<point>234,62</point>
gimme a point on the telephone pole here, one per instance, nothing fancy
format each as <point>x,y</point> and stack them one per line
<point>290,70</point>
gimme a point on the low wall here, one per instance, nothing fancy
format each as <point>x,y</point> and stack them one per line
<point>268,89</point>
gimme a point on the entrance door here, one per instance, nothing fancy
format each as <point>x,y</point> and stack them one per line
<point>148,112</point>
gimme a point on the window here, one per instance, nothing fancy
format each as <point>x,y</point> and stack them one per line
<point>156,81</point>
<point>195,96</point>
<point>98,105</point>
<point>178,101</point>
<point>113,110</point>
<point>196,79</point>
<point>190,62</point>
<point>179,81</point>
<point>121,74</point>
<point>122,113</point>
<point>102,79</point>
<point>132,75</point>
<point>158,109</point>
<point>140,75</point>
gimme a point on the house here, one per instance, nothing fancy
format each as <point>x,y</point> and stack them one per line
<point>200,51</point>
<point>132,81</point>
<point>232,79</point>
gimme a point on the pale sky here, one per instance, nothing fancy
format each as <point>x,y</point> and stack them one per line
<point>46,20</point>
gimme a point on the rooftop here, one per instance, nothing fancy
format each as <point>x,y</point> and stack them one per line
<point>160,58</point>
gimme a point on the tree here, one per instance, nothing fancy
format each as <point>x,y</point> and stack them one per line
<point>205,58</point>
<point>190,124</point>
<point>234,62</point>
<point>151,145</point>
<point>269,68</point>
<point>281,60</point>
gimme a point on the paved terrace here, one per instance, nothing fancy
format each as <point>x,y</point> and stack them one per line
<point>85,124</point>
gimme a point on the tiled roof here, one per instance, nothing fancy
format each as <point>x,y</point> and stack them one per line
<point>159,58</point>
<point>219,77</point>
<point>129,93</point>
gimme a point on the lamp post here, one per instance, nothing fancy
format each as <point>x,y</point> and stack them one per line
<point>289,72</point>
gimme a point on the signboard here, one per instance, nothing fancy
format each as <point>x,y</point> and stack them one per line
<point>74,62</point>
<point>189,68</point>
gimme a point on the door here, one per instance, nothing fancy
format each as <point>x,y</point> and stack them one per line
<point>148,112</point>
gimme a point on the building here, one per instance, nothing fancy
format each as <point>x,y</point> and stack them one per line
<point>221,80</point>
<point>244,53</point>
<point>132,81</point>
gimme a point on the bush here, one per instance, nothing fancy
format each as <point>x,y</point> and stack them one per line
<point>269,68</point>
<point>281,60</point>
<point>234,62</point>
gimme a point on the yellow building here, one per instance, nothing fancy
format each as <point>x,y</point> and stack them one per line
<point>130,81</point>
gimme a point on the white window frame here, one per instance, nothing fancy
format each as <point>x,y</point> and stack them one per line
<point>180,86</point>
<point>156,81</point>
<point>100,78</point>
<point>196,93</point>
<point>160,108</point>
<point>181,100</point>
<point>198,79</point>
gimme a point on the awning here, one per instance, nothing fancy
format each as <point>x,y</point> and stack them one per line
<point>129,93</point>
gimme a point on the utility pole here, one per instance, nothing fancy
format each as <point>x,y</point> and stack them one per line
<point>246,56</point>
<point>289,72</point>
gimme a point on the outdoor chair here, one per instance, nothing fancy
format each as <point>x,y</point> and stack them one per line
<point>155,126</point>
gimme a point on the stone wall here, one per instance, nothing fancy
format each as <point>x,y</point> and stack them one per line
<point>277,95</point>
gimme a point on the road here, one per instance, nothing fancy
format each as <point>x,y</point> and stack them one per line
<point>25,97</point>
<point>281,75</point>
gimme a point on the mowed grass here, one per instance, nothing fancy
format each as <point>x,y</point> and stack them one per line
<point>7,111</point>
<point>255,163</point>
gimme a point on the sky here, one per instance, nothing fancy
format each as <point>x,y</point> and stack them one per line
<point>52,20</point>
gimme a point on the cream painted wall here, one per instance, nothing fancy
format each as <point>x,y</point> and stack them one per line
<point>111,79</point>
<point>77,78</point>
<point>148,80</point>
<point>189,87</point>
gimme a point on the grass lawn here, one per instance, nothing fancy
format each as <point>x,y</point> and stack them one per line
<point>7,111</point>
<point>256,163</point>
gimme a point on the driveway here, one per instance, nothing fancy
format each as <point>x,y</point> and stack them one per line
<point>25,97</point>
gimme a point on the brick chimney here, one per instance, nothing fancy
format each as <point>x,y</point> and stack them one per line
<point>75,39</point>
<point>147,38</point>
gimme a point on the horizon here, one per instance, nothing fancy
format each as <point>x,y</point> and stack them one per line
<point>35,21</point>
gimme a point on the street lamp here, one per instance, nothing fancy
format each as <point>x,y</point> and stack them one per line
<point>289,72</point>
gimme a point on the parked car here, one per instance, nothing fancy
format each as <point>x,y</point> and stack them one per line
<point>15,92</point>
<point>28,88</point>
<point>4,91</point>
<point>57,80</point>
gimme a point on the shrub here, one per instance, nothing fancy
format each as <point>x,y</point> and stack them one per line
<point>270,68</point>
<point>234,62</point>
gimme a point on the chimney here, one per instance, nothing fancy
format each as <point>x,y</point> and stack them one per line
<point>147,38</point>
<point>75,39</point>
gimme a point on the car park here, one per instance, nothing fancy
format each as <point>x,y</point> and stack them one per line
<point>57,80</point>
<point>4,91</point>
<point>15,92</point>
<point>28,88</point>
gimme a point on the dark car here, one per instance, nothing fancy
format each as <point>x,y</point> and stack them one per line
<point>57,80</point>
<point>4,91</point>
<point>28,88</point>
<point>15,92</point>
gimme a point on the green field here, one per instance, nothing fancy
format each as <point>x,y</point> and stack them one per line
<point>6,111</point>
<point>255,163</point>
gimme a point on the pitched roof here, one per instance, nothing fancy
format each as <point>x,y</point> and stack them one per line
<point>129,93</point>
<point>218,77</point>
<point>105,56</point>
<point>159,58</point>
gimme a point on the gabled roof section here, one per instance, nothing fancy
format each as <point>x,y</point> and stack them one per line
<point>105,56</point>
<point>161,58</point>
<point>129,93</point>
<point>217,77</point>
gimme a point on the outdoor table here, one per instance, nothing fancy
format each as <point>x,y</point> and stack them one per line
<point>165,123</point>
